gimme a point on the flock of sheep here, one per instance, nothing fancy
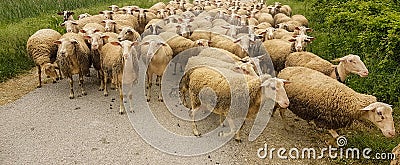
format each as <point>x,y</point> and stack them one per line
<point>244,41</point>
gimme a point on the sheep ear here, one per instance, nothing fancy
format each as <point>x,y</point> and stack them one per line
<point>74,41</point>
<point>145,43</point>
<point>236,41</point>
<point>58,42</point>
<point>266,83</point>
<point>87,37</point>
<point>162,44</point>
<point>309,30</point>
<point>104,21</point>
<point>115,43</point>
<point>297,28</point>
<point>105,37</point>
<point>101,12</point>
<point>82,31</point>
<point>63,24</point>
<point>72,13</point>
<point>292,40</point>
<point>97,30</point>
<point>60,13</point>
<point>74,23</point>
<point>135,43</point>
<point>369,107</point>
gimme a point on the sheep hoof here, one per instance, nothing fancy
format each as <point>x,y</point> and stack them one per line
<point>148,100</point>
<point>160,100</point>
<point>101,89</point>
<point>105,94</point>
<point>71,97</point>
<point>238,140</point>
<point>54,81</point>
<point>84,93</point>
<point>121,112</point>
<point>196,133</point>
<point>112,88</point>
<point>39,86</point>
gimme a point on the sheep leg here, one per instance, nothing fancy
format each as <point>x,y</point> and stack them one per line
<point>232,127</point>
<point>332,141</point>
<point>105,77</point>
<point>40,76</point>
<point>221,121</point>
<point>81,85</point>
<point>282,113</point>
<point>131,100</point>
<point>101,74</point>
<point>160,98</point>
<point>194,126</point>
<point>71,88</point>
<point>121,100</point>
<point>59,74</point>
<point>148,85</point>
<point>181,67</point>
<point>174,73</point>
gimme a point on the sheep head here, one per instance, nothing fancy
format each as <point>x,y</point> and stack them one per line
<point>275,90</point>
<point>353,64</point>
<point>380,114</point>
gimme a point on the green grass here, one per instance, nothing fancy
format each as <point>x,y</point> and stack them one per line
<point>21,18</point>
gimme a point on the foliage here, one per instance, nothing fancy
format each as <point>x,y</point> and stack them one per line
<point>21,18</point>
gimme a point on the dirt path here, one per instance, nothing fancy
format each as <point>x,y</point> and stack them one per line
<point>45,127</point>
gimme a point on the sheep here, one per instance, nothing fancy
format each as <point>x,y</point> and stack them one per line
<point>67,15</point>
<point>41,49</point>
<point>75,26</point>
<point>220,55</point>
<point>157,6</point>
<point>156,54</point>
<point>176,42</point>
<point>268,33</point>
<point>237,46</point>
<point>331,104</point>
<point>112,37</point>
<point>301,30</point>
<point>348,64</point>
<point>282,34</point>
<point>111,64</point>
<point>143,17</point>
<point>201,33</point>
<point>286,9</point>
<point>396,152</point>
<point>279,49</point>
<point>183,57</point>
<point>289,25</point>
<point>129,33</point>
<point>129,74</point>
<point>301,19</point>
<point>92,28</point>
<point>96,41</point>
<point>116,25</point>
<point>281,18</point>
<point>84,15</point>
<point>73,57</point>
<point>152,29</point>
<point>197,78</point>
<point>265,17</point>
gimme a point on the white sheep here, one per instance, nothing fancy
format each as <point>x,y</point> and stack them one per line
<point>116,25</point>
<point>301,19</point>
<point>130,72</point>
<point>331,104</point>
<point>40,47</point>
<point>177,42</point>
<point>73,58</point>
<point>183,56</point>
<point>129,33</point>
<point>92,28</point>
<point>197,78</point>
<point>279,49</point>
<point>84,15</point>
<point>76,25</point>
<point>156,54</point>
<point>347,65</point>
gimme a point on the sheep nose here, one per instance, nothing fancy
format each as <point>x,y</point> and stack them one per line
<point>120,38</point>
<point>392,132</point>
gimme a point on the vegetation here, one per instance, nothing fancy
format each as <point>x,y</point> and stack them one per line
<point>21,18</point>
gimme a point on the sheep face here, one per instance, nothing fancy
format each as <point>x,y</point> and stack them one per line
<point>109,25</point>
<point>302,30</point>
<point>66,47</point>
<point>107,14</point>
<point>274,89</point>
<point>203,42</point>
<point>162,13</point>
<point>245,42</point>
<point>70,26</point>
<point>96,40</point>
<point>155,29</point>
<point>268,33</point>
<point>183,30</point>
<point>380,114</point>
<point>353,64</point>
<point>50,70</point>
<point>126,34</point>
<point>300,42</point>
<point>67,15</point>
<point>153,46</point>
<point>114,8</point>
<point>82,16</point>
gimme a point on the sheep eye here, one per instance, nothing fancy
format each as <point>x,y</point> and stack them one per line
<point>379,113</point>
<point>382,117</point>
<point>273,88</point>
